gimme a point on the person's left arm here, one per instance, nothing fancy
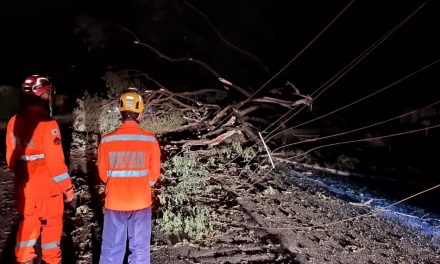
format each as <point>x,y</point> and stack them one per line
<point>54,157</point>
<point>154,170</point>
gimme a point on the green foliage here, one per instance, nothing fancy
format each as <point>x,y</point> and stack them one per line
<point>186,178</point>
<point>194,225</point>
<point>245,153</point>
<point>97,113</point>
<point>162,124</point>
<point>232,150</point>
<point>179,213</point>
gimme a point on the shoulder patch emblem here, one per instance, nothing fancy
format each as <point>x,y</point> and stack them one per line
<point>57,141</point>
<point>55,132</point>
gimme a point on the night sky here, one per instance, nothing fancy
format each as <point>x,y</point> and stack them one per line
<point>80,40</point>
<point>75,42</point>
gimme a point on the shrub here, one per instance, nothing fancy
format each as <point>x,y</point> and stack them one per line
<point>162,124</point>
<point>98,114</point>
<point>231,150</point>
<point>179,213</point>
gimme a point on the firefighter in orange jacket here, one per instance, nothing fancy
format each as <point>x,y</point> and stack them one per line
<point>34,155</point>
<point>129,165</point>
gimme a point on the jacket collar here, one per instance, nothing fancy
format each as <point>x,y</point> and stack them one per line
<point>36,110</point>
<point>129,123</point>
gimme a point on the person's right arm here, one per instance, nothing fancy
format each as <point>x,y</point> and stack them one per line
<point>102,162</point>
<point>10,146</point>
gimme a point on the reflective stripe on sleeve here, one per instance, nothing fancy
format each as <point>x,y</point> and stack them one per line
<point>61,177</point>
<point>32,157</point>
<point>128,137</point>
<point>127,173</point>
<point>50,245</point>
<point>29,243</point>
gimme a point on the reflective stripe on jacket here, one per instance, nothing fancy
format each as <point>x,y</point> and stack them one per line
<point>34,153</point>
<point>129,164</point>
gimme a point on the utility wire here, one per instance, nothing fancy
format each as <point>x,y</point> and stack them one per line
<point>335,135</point>
<point>367,139</point>
<point>292,60</point>
<point>329,83</point>
<point>346,106</point>
<point>351,218</point>
<point>358,129</point>
<point>302,51</point>
<point>361,99</point>
<point>343,143</point>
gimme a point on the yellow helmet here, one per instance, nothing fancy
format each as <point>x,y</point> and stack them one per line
<point>131,101</point>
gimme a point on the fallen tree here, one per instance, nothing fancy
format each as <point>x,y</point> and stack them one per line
<point>208,114</point>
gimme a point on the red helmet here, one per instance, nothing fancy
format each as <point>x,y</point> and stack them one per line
<point>36,85</point>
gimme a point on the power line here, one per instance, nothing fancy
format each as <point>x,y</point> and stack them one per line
<point>335,78</point>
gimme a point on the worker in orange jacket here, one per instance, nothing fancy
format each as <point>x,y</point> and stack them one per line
<point>35,156</point>
<point>129,165</point>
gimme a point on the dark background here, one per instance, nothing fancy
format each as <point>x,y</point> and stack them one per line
<point>76,42</point>
<point>73,37</point>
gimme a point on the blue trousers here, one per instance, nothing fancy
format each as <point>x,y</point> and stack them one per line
<point>120,226</point>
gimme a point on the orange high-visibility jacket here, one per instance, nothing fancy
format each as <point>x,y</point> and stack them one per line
<point>35,155</point>
<point>129,164</point>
